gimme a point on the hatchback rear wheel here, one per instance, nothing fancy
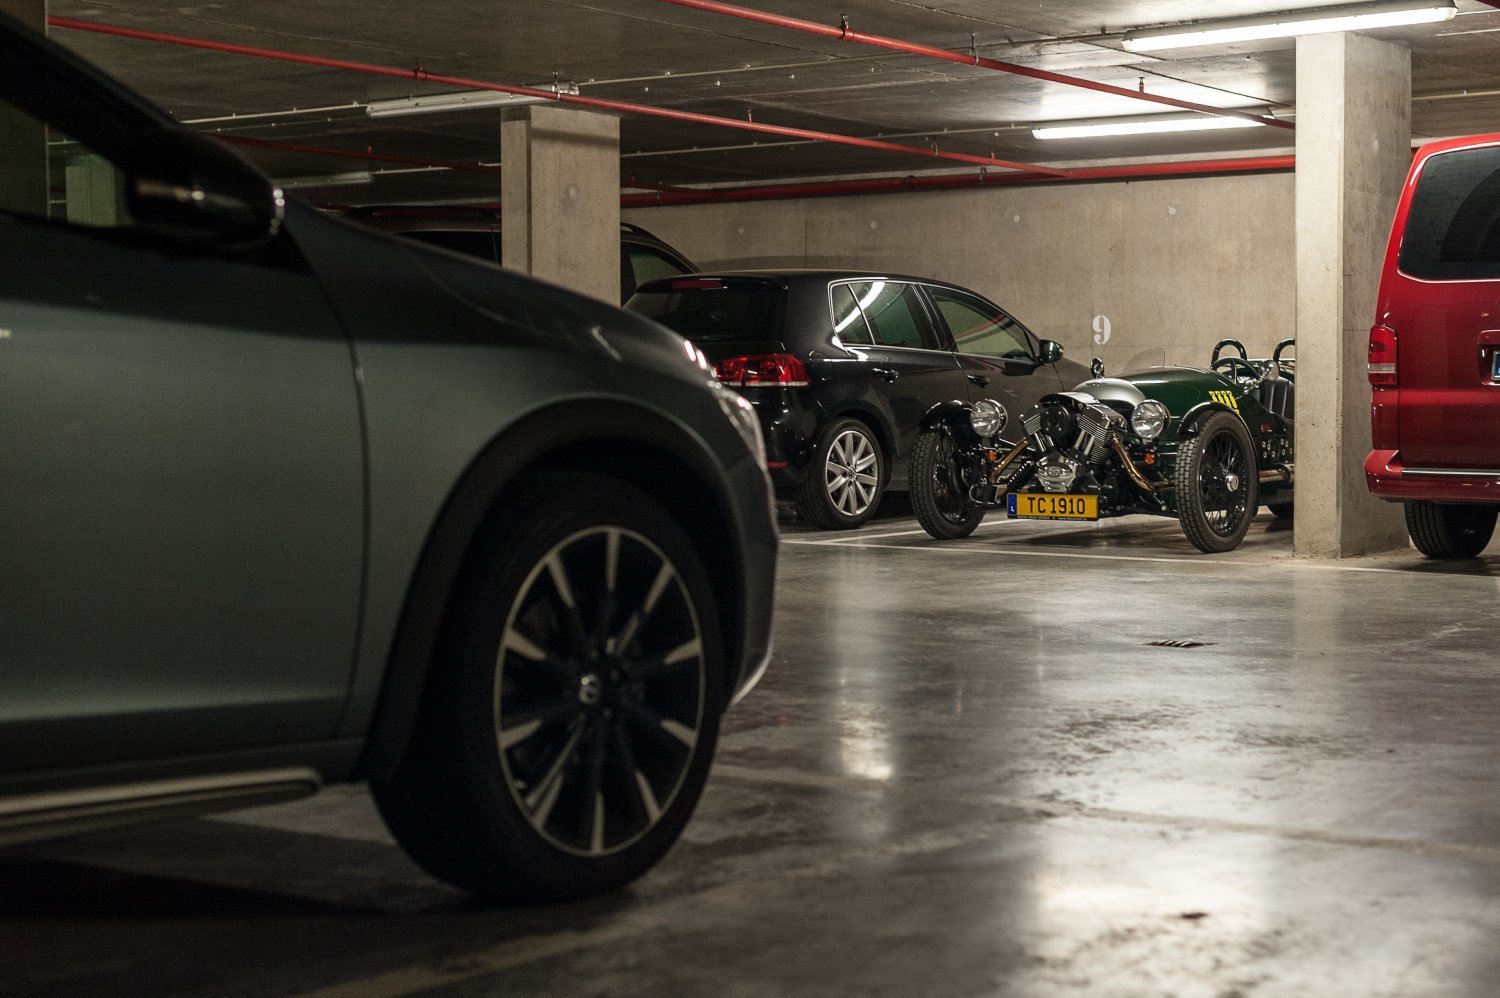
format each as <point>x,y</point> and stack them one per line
<point>844,480</point>
<point>1449,531</point>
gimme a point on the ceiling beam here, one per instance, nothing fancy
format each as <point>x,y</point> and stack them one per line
<point>421,75</point>
<point>844,33</point>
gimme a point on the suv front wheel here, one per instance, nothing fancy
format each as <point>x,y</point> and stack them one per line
<point>571,716</point>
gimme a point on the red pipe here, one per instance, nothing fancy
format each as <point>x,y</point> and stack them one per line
<point>894,185</point>
<point>844,33</point>
<point>593,102</point>
<point>240,140</point>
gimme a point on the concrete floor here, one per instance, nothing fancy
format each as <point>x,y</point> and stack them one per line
<point>968,772</point>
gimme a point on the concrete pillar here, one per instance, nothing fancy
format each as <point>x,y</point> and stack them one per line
<point>1353,150</point>
<point>23,141</point>
<point>560,197</point>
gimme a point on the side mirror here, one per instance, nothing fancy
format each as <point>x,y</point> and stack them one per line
<point>191,188</point>
<point>1051,353</point>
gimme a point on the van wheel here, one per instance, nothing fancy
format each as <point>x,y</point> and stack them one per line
<point>844,480</point>
<point>573,706</point>
<point>1449,531</point>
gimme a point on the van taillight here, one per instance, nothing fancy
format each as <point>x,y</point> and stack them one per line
<point>1382,357</point>
<point>776,370</point>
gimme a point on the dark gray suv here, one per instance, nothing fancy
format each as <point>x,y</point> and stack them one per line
<point>289,502</point>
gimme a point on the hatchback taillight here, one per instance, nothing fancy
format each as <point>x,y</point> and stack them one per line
<point>1382,366</point>
<point>770,370</point>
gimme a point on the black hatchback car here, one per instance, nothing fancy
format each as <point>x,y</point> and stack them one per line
<point>842,365</point>
<point>475,230</point>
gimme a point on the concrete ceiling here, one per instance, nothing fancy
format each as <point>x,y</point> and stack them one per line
<point>653,53</point>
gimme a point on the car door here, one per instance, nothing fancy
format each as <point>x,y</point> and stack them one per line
<point>997,354</point>
<point>909,366</point>
<point>181,470</point>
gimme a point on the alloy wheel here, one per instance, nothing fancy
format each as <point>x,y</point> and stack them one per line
<point>851,473</point>
<point>600,691</point>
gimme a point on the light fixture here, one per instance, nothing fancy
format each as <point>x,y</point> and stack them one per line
<point>1345,17</point>
<point>461,100</point>
<point>327,180</point>
<point>1141,125</point>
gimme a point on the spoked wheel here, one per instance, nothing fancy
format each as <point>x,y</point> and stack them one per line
<point>567,731</point>
<point>938,496</point>
<point>1216,484</point>
<point>1449,531</point>
<point>844,480</point>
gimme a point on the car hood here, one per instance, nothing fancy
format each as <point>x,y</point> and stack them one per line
<point>559,316</point>
<point>391,288</point>
<point>1180,388</point>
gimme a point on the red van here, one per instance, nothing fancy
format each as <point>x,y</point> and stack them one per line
<point>1435,351</point>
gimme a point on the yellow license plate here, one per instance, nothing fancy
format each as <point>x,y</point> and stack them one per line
<point>1046,506</point>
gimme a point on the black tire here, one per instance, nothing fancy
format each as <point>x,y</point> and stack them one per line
<point>937,496</point>
<point>1281,510</point>
<point>844,480</point>
<point>571,713</point>
<point>1216,484</point>
<point>1449,531</point>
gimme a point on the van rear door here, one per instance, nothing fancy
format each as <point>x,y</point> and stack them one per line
<point>1441,296</point>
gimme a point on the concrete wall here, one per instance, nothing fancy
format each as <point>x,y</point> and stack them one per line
<point>1172,265</point>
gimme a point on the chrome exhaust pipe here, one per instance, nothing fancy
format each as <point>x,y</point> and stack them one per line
<point>1281,474</point>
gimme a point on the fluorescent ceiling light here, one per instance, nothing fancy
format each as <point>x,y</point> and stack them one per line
<point>461,100</point>
<point>327,180</point>
<point>1141,126</point>
<point>1347,17</point>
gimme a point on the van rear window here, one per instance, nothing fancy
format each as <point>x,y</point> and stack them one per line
<point>716,314</point>
<point>1453,226</point>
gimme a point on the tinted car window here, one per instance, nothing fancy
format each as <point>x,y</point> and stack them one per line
<point>86,189</point>
<point>848,320</point>
<point>979,327</point>
<point>647,264</point>
<point>1453,227</point>
<point>895,314</point>
<point>717,314</point>
<point>471,242</point>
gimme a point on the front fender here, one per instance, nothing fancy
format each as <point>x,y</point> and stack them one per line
<point>950,414</point>
<point>953,418</point>
<point>1192,420</point>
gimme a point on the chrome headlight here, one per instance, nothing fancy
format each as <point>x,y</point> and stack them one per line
<point>1149,419</point>
<point>988,417</point>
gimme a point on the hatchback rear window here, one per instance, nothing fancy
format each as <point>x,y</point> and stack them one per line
<point>716,314</point>
<point>471,242</point>
<point>1453,226</point>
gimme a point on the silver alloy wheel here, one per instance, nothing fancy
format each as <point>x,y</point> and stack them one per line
<point>600,691</point>
<point>850,474</point>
